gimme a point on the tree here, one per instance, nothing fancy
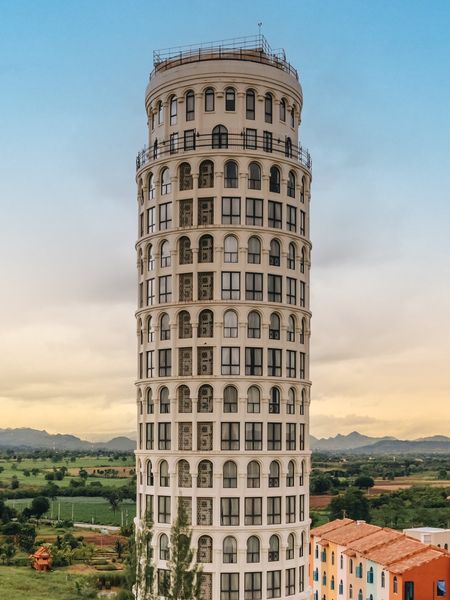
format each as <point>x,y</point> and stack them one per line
<point>39,506</point>
<point>119,547</point>
<point>114,499</point>
<point>14,482</point>
<point>364,481</point>
<point>185,571</point>
<point>140,573</point>
<point>353,504</point>
<point>7,552</point>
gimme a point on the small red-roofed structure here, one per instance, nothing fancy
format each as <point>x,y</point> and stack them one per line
<point>41,560</point>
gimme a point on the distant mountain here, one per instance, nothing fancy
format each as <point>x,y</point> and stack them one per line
<point>361,444</point>
<point>34,439</point>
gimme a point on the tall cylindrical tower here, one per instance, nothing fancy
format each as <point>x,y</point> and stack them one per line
<point>223,250</point>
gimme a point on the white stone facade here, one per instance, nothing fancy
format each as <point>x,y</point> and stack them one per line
<point>223,317</point>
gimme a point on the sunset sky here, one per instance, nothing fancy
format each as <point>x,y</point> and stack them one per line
<point>376,85</point>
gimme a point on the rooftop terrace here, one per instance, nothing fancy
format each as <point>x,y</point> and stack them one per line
<point>253,48</point>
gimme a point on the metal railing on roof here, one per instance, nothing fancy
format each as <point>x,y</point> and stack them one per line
<point>253,48</point>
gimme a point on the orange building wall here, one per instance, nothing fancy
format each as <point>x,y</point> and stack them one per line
<point>422,577</point>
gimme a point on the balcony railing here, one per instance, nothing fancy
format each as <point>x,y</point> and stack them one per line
<point>251,48</point>
<point>211,141</point>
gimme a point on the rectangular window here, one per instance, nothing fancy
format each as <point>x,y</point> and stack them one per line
<point>291,219</point>
<point>189,139</point>
<point>186,213</point>
<point>231,210</point>
<point>230,360</point>
<point>253,361</point>
<point>254,212</point>
<point>273,436</point>
<point>301,578</point>
<point>205,286</point>
<point>205,358</point>
<point>290,509</point>
<point>253,436</point>
<point>165,289</point>
<point>230,436</point>
<point>273,510</point>
<point>150,292</point>
<point>186,287</point>
<point>250,139</point>
<point>441,588</point>
<point>291,363</point>
<point>229,511</point>
<point>165,215</point>
<point>204,511</point>
<point>291,436</point>
<point>165,363</point>
<point>229,586</point>
<point>290,582</point>
<point>302,222</point>
<point>274,288</point>
<point>184,362</point>
<point>301,507</point>
<point>252,585</point>
<point>250,98</point>
<point>173,143</point>
<point>267,141</point>
<point>291,292</point>
<point>254,286</point>
<point>185,437</point>
<point>302,293</point>
<point>302,436</point>
<point>150,363</point>
<point>151,220</point>
<point>231,285</point>
<point>253,511</point>
<point>275,214</point>
<point>302,365</point>
<point>163,509</point>
<point>274,362</point>
<point>205,436</point>
<point>164,437</point>
<point>149,436</point>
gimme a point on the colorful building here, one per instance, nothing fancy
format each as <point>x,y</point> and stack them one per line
<point>353,560</point>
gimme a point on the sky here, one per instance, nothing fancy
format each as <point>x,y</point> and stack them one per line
<point>375,78</point>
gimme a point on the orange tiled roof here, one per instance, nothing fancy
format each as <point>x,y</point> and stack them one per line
<point>351,532</point>
<point>375,539</point>
<point>426,555</point>
<point>395,550</point>
<point>330,526</point>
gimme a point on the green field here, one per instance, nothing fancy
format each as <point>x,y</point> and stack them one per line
<point>95,510</point>
<point>23,583</point>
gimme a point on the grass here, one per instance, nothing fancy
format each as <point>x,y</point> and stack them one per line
<point>95,510</point>
<point>23,583</point>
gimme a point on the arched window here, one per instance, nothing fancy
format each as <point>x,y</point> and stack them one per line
<point>341,587</point>
<point>274,474</point>
<point>205,324</point>
<point>290,406</point>
<point>155,150</point>
<point>350,591</point>
<point>332,582</point>
<point>190,105</point>
<point>291,256</point>
<point>301,479</point>
<point>302,190</point>
<point>220,137</point>
<point>230,247</point>
<point>288,154</point>
<point>160,113</point>
<point>185,177</point>
<point>254,251</point>
<point>140,332</point>
<point>150,478</point>
<point>150,330</point>
<point>164,402</point>
<point>360,595</point>
<point>274,401</point>
<point>302,260</point>
<point>253,325</point>
<point>164,553</point>
<point>205,474</point>
<point>291,183</point>
<point>290,475</point>
<point>303,331</point>
<point>290,547</point>
<point>164,478</point>
<point>268,108</point>
<point>206,174</point>
<point>283,110</point>
<point>250,101</point>
<point>230,399</point>
<point>184,251</point>
<point>254,176</point>
<point>303,402</point>
<point>230,324</point>
<point>302,545</point>
<point>184,399</point>
<point>184,325</point>
<point>205,249</point>
<point>230,474</point>
<point>395,585</point>
<point>204,553</point>
<point>253,474</point>
<point>151,186</point>
<point>150,258</point>
<point>165,254</point>
<point>293,116</point>
<point>230,99</point>
<point>253,399</point>
<point>274,548</point>
<point>165,182</point>
<point>383,579</point>
<point>370,575</point>
<point>290,333</point>
<point>150,403</point>
<point>274,327</point>
<point>209,100</point>
<point>205,399</point>
<point>274,180</point>
<point>253,549</point>
<point>231,174</point>
<point>229,549</point>
<point>274,253</point>
<point>164,327</point>
<point>173,110</point>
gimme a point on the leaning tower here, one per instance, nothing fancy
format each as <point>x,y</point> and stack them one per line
<point>223,321</point>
